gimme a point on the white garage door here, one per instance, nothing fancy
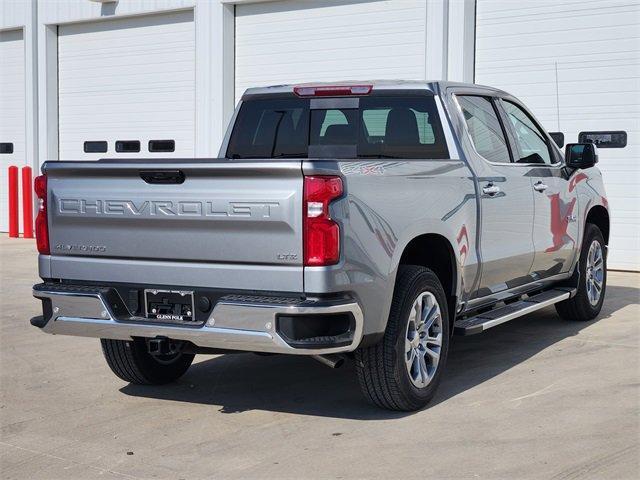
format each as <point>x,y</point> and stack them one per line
<point>294,42</point>
<point>12,112</point>
<point>125,83</point>
<point>577,66</point>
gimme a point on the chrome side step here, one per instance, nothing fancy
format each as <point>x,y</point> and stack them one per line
<point>486,320</point>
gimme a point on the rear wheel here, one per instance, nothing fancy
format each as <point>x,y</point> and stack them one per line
<point>592,281</point>
<point>131,361</point>
<point>403,371</point>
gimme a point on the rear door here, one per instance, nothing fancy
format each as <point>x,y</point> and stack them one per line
<point>506,199</point>
<point>555,225</point>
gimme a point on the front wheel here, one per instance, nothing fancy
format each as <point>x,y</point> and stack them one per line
<point>403,370</point>
<point>592,281</point>
<point>131,361</point>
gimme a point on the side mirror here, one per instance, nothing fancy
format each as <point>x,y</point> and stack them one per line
<point>580,155</point>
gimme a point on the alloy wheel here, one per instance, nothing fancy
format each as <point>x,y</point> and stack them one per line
<point>595,273</point>
<point>423,339</point>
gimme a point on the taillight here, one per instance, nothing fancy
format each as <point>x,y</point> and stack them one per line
<point>331,90</point>
<point>321,233</point>
<point>42,228</point>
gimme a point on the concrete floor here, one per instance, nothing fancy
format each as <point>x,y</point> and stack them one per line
<point>535,398</point>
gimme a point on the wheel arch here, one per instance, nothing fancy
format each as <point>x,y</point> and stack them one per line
<point>599,216</point>
<point>434,251</point>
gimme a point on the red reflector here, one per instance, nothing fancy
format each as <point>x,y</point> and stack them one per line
<point>321,233</point>
<point>332,90</point>
<point>42,228</point>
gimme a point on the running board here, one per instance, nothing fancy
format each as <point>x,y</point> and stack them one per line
<point>486,320</point>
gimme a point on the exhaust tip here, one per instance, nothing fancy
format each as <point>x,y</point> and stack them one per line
<point>331,361</point>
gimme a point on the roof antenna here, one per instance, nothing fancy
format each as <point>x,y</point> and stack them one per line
<point>557,98</point>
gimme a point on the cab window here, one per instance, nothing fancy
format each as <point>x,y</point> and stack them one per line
<point>484,128</point>
<point>532,145</point>
<point>376,126</point>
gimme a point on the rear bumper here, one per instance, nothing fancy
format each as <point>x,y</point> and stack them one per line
<point>247,323</point>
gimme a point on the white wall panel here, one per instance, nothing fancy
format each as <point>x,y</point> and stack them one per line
<point>127,79</point>
<point>13,13</point>
<point>325,40</point>
<point>12,110</point>
<point>63,11</point>
<point>577,66</point>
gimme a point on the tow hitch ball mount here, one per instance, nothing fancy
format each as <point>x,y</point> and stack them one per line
<point>163,346</point>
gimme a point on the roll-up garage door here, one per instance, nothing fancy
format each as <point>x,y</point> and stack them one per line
<point>293,41</point>
<point>577,66</point>
<point>12,111</point>
<point>127,87</point>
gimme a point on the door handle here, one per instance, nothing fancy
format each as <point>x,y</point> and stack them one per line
<point>163,177</point>
<point>540,187</point>
<point>491,189</point>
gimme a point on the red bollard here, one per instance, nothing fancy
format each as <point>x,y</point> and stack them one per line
<point>27,203</point>
<point>13,202</point>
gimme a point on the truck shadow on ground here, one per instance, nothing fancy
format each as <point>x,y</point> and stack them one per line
<point>298,385</point>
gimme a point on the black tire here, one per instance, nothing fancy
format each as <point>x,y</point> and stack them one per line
<point>131,361</point>
<point>381,368</point>
<point>579,307</point>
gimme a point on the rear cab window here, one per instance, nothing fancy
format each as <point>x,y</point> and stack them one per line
<point>375,126</point>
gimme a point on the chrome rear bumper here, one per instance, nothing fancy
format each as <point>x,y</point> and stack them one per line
<point>232,325</point>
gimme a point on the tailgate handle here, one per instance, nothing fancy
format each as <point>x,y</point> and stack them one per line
<point>162,177</point>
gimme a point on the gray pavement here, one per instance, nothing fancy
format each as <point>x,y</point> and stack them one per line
<point>535,398</point>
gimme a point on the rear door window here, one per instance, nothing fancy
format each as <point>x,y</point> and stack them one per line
<point>380,127</point>
<point>484,128</point>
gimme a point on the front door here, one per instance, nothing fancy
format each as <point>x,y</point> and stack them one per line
<point>507,212</point>
<point>555,225</point>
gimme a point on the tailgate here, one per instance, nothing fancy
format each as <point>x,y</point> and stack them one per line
<point>218,212</point>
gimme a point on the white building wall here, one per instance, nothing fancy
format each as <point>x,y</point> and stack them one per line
<point>20,15</point>
<point>434,49</point>
<point>14,13</point>
<point>12,108</point>
<point>577,66</point>
<point>290,41</point>
<point>214,26</point>
<point>296,42</point>
<point>127,79</point>
<point>64,12</point>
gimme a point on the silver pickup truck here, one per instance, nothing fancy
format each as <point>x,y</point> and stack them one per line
<point>362,221</point>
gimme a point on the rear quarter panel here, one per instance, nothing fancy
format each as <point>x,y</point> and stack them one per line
<point>386,205</point>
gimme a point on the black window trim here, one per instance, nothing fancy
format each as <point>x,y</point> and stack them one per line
<point>101,142</point>
<point>127,141</point>
<point>153,150</point>
<point>10,148</point>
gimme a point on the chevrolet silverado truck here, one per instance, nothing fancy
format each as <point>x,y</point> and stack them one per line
<point>367,221</point>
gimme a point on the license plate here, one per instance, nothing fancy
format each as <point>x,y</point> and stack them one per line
<point>174,306</point>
